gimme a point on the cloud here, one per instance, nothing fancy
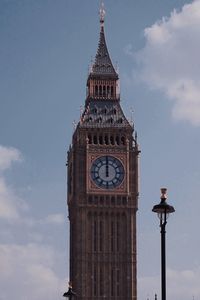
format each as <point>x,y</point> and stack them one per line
<point>187,281</point>
<point>169,60</point>
<point>10,204</point>
<point>8,155</point>
<point>181,284</point>
<point>27,272</point>
<point>29,265</point>
<point>54,219</point>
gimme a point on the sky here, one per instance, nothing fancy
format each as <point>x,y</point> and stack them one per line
<point>46,48</point>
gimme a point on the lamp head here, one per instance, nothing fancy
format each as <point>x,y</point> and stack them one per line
<point>163,207</point>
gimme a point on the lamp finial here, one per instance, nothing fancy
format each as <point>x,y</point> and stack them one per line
<point>163,194</point>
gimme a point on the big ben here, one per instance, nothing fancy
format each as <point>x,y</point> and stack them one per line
<point>103,189</point>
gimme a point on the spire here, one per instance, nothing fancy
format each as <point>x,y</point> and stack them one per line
<point>103,64</point>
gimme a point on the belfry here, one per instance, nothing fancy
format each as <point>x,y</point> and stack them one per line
<point>103,189</point>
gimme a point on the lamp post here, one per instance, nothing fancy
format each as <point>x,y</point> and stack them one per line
<point>163,210</point>
<point>69,294</point>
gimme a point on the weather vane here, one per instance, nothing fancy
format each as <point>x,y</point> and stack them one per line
<point>102,13</point>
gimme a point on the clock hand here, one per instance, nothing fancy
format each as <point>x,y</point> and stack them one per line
<point>107,168</point>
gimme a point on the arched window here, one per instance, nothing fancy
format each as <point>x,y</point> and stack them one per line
<point>123,140</point>
<point>112,91</point>
<point>104,91</point>
<point>100,90</point>
<point>112,200</point>
<point>101,200</point>
<point>89,139</point>
<point>96,90</point>
<point>100,140</point>
<point>90,199</point>
<point>100,235</point>
<point>112,140</point>
<point>108,91</point>
<point>117,140</point>
<point>106,140</point>
<point>95,139</point>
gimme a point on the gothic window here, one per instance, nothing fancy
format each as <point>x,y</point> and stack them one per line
<point>106,140</point>
<point>112,235</point>
<point>118,200</point>
<point>124,232</point>
<point>101,200</point>
<point>89,139</point>
<point>112,140</point>
<point>112,91</point>
<point>124,200</point>
<point>100,90</point>
<point>100,236</point>
<point>95,281</point>
<point>108,91</point>
<point>112,200</point>
<point>123,140</point>
<point>117,140</point>
<point>118,235</point>
<point>96,90</point>
<point>90,199</point>
<point>118,282</point>
<point>100,140</point>
<point>104,91</point>
<point>112,282</point>
<point>95,235</point>
<point>95,139</point>
<point>101,281</point>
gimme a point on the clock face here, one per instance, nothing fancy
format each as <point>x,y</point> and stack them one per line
<point>107,172</point>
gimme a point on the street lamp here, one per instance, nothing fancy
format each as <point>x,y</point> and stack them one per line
<point>69,294</point>
<point>163,210</point>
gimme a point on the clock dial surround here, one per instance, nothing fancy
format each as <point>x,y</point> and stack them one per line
<point>107,172</point>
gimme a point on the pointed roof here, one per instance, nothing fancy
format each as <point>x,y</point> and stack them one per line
<point>103,64</point>
<point>99,114</point>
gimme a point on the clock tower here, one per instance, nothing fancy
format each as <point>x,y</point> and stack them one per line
<point>103,189</point>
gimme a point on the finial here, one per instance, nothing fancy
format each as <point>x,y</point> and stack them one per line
<point>136,137</point>
<point>163,194</point>
<point>102,13</point>
<point>81,111</point>
<point>74,124</point>
<point>132,113</point>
